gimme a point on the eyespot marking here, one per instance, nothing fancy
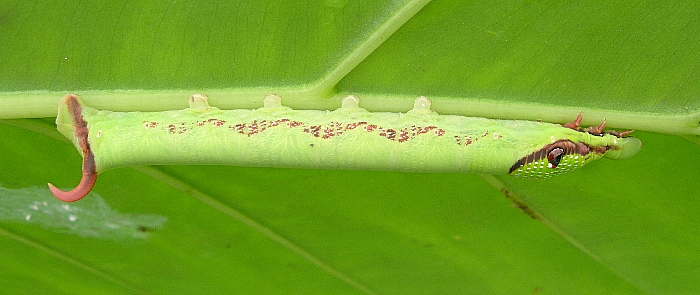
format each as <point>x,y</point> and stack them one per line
<point>554,157</point>
<point>557,158</point>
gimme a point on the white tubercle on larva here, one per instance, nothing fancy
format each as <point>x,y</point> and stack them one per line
<point>272,101</point>
<point>198,102</point>
<point>421,103</point>
<point>350,102</point>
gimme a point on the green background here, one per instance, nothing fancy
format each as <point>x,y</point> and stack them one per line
<point>613,227</point>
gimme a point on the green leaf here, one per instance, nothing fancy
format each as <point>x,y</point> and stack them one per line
<point>613,227</point>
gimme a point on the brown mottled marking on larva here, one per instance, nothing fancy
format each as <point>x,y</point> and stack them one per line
<point>213,122</point>
<point>250,129</point>
<point>279,122</point>
<point>335,129</point>
<point>238,127</point>
<point>403,136</point>
<point>388,133</point>
<point>466,140</point>
<point>253,128</point>
<point>313,130</point>
<point>331,130</point>
<point>422,130</point>
<point>462,140</point>
<point>177,128</point>
<point>293,124</point>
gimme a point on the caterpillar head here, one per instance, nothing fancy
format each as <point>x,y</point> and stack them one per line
<point>578,149</point>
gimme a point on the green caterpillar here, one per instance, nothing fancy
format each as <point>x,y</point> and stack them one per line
<point>349,138</point>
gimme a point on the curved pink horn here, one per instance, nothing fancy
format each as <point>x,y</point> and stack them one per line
<point>89,168</point>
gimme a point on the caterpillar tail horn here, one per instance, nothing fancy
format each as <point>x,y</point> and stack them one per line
<point>79,128</point>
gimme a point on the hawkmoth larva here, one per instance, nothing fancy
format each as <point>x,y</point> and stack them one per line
<point>347,138</point>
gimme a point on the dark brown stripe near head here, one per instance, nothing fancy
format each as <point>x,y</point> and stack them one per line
<point>568,146</point>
